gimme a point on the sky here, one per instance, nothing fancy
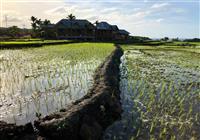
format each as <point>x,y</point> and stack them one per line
<point>151,18</point>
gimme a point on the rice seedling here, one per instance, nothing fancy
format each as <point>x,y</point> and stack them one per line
<point>39,81</point>
<point>165,91</point>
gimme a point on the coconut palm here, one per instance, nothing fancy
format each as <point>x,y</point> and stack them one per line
<point>34,24</point>
<point>71,17</point>
<point>39,22</point>
<point>96,22</point>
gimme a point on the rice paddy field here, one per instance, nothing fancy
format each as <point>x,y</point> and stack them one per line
<point>36,82</point>
<point>160,86</point>
<point>160,93</point>
<point>32,41</point>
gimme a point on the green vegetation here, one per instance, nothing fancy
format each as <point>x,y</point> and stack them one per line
<point>37,27</point>
<point>23,43</point>
<point>27,39</point>
<point>144,41</point>
<point>166,47</point>
<point>164,83</point>
<point>32,41</point>
<point>161,78</point>
<point>14,32</point>
<point>39,81</point>
<point>71,17</point>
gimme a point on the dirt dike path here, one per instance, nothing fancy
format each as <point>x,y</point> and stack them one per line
<point>85,119</point>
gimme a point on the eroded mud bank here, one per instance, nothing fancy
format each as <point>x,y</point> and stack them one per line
<point>84,119</point>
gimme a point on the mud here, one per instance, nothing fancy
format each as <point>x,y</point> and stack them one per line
<point>85,119</point>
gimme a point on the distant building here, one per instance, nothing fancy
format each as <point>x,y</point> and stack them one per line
<point>122,35</point>
<point>49,31</point>
<point>77,29</point>
<point>103,31</point>
<point>115,31</point>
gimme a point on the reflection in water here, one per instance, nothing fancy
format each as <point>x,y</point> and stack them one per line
<point>159,100</point>
<point>126,127</point>
<point>41,88</point>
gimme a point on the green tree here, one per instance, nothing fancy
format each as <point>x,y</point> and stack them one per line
<point>165,39</point>
<point>39,23</point>
<point>37,26</point>
<point>175,39</point>
<point>34,24</point>
<point>71,17</point>
<point>45,31</point>
<point>46,22</point>
<point>14,31</point>
<point>96,22</point>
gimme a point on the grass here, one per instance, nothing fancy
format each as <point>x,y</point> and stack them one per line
<point>31,42</point>
<point>195,49</point>
<point>137,47</point>
<point>180,43</point>
<point>27,39</point>
<point>164,84</point>
<point>39,81</point>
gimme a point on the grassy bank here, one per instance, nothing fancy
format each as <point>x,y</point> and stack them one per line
<point>30,43</point>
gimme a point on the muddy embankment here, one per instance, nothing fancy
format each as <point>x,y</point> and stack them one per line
<point>85,119</point>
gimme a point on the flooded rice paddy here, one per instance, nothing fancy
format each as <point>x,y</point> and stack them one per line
<point>39,81</point>
<point>160,95</point>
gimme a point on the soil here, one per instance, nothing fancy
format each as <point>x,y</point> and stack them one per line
<point>85,119</point>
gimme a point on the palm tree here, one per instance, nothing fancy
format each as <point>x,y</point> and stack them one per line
<point>39,22</point>
<point>46,22</point>
<point>33,19</point>
<point>71,17</point>
<point>34,24</point>
<point>96,22</point>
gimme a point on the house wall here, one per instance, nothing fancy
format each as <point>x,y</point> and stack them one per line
<point>75,33</point>
<point>104,35</point>
<point>60,32</point>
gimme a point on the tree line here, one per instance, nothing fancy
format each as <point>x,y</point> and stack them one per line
<point>38,25</point>
<point>35,31</point>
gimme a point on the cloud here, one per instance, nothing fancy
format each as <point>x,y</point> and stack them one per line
<point>93,18</point>
<point>61,10</point>
<point>68,8</point>
<point>159,5</point>
<point>11,16</point>
<point>139,18</point>
<point>142,14</point>
<point>107,10</point>
<point>179,10</point>
<point>136,9</point>
<point>12,19</point>
<point>154,9</point>
<point>56,11</point>
<point>159,20</point>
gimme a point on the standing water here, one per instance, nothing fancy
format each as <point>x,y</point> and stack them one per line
<point>160,97</point>
<point>124,128</point>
